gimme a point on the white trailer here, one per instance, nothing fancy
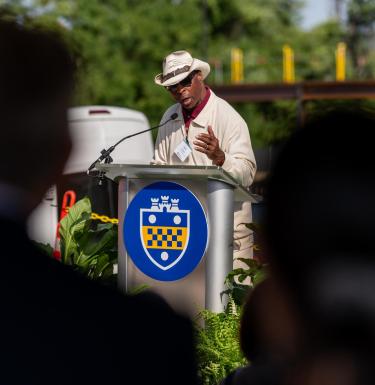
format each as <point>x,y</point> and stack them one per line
<point>93,128</point>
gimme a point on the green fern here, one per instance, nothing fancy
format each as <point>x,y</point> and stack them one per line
<point>218,347</point>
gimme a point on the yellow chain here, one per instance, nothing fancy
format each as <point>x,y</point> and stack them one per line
<point>104,218</point>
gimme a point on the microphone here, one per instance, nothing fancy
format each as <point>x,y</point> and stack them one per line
<point>105,154</point>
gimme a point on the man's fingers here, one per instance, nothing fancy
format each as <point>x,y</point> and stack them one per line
<point>203,137</point>
<point>200,144</point>
<point>207,142</point>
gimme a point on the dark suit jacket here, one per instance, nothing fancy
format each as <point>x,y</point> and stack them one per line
<point>58,328</point>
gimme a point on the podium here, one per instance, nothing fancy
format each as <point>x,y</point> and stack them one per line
<point>164,271</point>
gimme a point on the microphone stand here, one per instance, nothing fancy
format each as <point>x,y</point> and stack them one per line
<point>105,154</point>
<point>107,160</point>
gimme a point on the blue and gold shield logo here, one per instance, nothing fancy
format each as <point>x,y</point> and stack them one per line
<point>164,231</point>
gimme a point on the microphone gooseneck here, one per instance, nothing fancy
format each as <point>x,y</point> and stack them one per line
<point>105,154</point>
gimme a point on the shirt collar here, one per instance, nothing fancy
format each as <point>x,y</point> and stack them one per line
<point>205,117</point>
<point>190,116</point>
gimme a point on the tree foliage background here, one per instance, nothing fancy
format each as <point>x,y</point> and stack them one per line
<point>120,44</point>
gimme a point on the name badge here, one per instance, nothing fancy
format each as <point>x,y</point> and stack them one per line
<point>182,151</point>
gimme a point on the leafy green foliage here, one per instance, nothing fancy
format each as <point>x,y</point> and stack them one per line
<point>361,35</point>
<point>242,280</point>
<point>88,247</point>
<point>236,288</point>
<point>119,45</point>
<point>315,51</point>
<point>218,344</point>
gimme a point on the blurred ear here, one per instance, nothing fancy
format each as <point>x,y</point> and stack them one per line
<point>199,76</point>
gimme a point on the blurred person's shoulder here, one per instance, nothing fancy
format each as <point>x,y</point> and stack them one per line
<point>54,317</point>
<point>45,278</point>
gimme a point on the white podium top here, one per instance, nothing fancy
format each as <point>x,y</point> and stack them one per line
<point>141,171</point>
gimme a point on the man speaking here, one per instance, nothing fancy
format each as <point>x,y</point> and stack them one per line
<point>207,131</point>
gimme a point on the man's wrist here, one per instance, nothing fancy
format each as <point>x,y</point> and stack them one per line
<point>219,161</point>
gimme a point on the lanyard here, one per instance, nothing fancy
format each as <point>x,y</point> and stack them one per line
<point>185,134</point>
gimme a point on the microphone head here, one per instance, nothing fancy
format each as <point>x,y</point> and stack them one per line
<point>174,116</point>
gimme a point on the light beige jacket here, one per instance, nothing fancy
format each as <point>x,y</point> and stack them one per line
<point>234,139</point>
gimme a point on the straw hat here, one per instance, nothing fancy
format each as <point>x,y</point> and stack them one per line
<point>177,66</point>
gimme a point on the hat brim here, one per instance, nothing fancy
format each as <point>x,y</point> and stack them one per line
<point>195,65</point>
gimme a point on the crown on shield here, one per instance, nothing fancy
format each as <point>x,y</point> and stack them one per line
<point>155,204</point>
<point>174,204</point>
<point>164,203</point>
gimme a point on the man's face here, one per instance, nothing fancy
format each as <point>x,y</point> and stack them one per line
<point>190,91</point>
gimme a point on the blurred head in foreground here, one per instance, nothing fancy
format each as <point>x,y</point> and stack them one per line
<point>36,81</point>
<point>320,231</point>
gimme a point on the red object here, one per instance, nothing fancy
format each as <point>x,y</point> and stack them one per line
<point>68,201</point>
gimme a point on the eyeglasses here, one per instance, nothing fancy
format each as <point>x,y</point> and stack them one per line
<point>183,83</point>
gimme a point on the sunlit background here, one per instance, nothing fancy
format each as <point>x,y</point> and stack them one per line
<point>120,45</point>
